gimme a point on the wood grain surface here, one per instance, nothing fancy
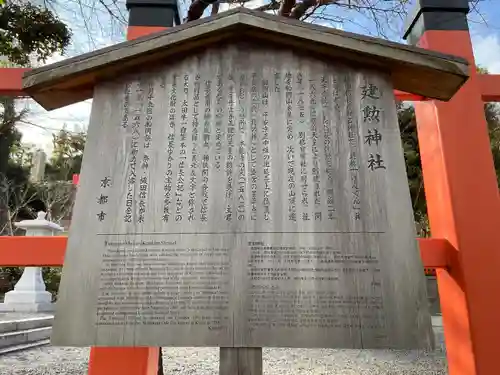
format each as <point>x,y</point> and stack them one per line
<point>244,197</point>
<point>240,361</point>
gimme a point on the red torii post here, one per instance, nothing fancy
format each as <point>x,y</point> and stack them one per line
<point>462,194</point>
<point>460,184</point>
<point>145,17</point>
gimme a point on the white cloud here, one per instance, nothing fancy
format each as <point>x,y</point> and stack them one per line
<point>487,52</point>
<point>40,124</point>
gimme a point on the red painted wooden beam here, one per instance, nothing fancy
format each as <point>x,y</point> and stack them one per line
<point>435,252</point>
<point>11,84</point>
<point>489,85</point>
<point>49,251</point>
<point>11,81</point>
<point>407,97</point>
<point>32,251</point>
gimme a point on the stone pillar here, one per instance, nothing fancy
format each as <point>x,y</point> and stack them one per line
<point>37,172</point>
<point>29,294</point>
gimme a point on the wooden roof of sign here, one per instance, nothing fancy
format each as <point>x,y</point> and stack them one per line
<point>414,70</point>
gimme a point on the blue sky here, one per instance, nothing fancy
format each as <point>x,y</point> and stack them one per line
<point>82,15</point>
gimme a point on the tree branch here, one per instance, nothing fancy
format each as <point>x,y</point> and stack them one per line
<point>9,118</point>
<point>299,11</point>
<point>273,5</point>
<point>27,29</point>
<point>197,8</point>
<point>215,9</point>
<point>286,7</point>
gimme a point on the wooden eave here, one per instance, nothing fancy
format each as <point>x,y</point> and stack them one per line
<point>413,70</point>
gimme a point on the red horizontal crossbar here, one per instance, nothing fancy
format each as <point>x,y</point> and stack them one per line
<point>32,251</point>
<point>435,252</point>
<point>407,97</point>
<point>11,85</point>
<point>11,81</point>
<point>490,87</point>
<point>49,251</point>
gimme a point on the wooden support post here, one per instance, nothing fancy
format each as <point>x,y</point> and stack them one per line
<point>240,361</point>
<point>462,197</point>
<point>123,361</point>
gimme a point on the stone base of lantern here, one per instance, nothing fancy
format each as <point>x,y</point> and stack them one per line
<point>29,294</point>
<point>27,308</point>
<point>24,301</point>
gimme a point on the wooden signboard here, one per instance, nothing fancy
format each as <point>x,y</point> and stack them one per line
<point>244,197</point>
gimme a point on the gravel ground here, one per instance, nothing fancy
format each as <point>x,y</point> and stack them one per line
<point>50,360</point>
<point>205,361</point>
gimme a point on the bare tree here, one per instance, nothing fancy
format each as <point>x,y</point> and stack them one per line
<point>57,197</point>
<point>9,117</point>
<point>94,22</point>
<point>16,199</point>
<point>108,18</point>
<point>382,14</point>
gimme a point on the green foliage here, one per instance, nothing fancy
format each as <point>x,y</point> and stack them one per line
<point>21,154</point>
<point>26,31</point>
<point>408,129</point>
<point>52,278</point>
<point>9,276</point>
<point>9,117</point>
<point>30,30</point>
<point>15,185</point>
<point>409,139</point>
<point>492,113</point>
